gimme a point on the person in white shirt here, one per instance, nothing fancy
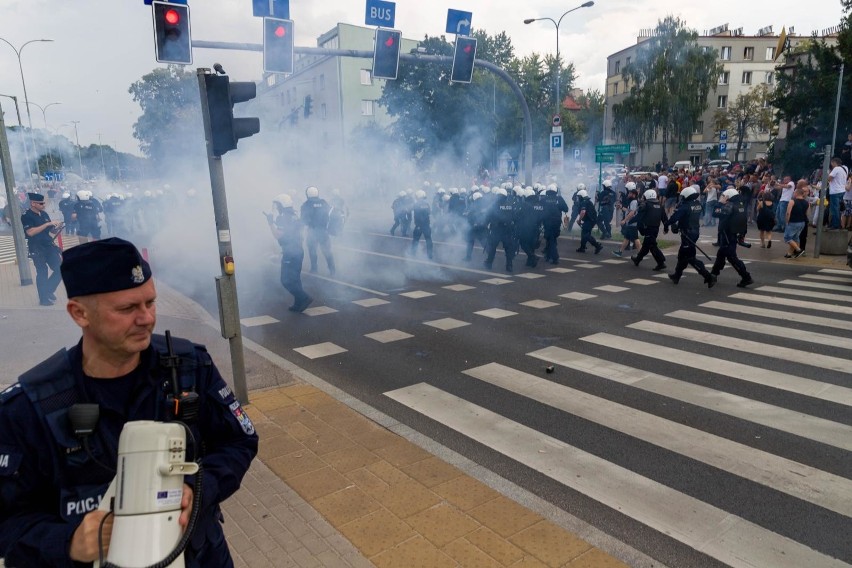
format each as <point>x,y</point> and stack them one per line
<point>836,190</point>
<point>787,189</point>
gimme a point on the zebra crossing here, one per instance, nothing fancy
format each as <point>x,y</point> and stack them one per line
<point>7,247</point>
<point>749,343</point>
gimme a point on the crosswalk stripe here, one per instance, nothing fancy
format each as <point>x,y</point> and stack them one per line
<point>762,328</point>
<point>806,293</point>
<point>835,271</point>
<point>804,482</point>
<point>827,278</point>
<point>708,529</point>
<point>778,314</point>
<point>739,371</point>
<point>754,347</point>
<point>792,303</point>
<point>783,419</point>
<point>818,285</point>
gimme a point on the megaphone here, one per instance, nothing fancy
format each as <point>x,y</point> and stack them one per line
<point>146,494</point>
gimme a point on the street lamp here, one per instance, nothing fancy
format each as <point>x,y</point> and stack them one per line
<point>44,117</point>
<point>23,131</point>
<point>588,4</point>
<point>18,52</point>
<point>77,138</point>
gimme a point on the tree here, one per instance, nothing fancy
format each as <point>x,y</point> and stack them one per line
<point>669,84</point>
<point>170,127</point>
<point>750,112</point>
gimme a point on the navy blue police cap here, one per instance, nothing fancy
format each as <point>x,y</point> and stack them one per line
<point>35,196</point>
<point>103,266</point>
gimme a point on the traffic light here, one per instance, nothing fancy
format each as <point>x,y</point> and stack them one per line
<point>277,45</point>
<point>225,130</point>
<point>463,58</point>
<point>386,54</point>
<point>309,105</point>
<point>172,38</point>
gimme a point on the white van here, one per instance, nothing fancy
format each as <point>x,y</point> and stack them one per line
<point>685,164</point>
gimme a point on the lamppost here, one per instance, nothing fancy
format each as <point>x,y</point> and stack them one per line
<point>18,52</point>
<point>21,126</point>
<point>77,139</point>
<point>43,110</point>
<point>588,4</point>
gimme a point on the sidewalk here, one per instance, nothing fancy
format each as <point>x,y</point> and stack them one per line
<point>332,486</point>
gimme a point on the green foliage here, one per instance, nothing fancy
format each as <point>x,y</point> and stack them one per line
<point>669,83</point>
<point>748,113</point>
<point>170,126</point>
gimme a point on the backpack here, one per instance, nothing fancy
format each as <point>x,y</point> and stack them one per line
<point>738,223</point>
<point>336,220</point>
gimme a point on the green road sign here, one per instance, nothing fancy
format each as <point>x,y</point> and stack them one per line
<point>613,149</point>
<point>604,158</point>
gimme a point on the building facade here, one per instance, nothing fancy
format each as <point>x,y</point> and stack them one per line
<point>747,61</point>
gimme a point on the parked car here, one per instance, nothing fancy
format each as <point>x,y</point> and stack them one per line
<point>685,165</point>
<point>721,164</point>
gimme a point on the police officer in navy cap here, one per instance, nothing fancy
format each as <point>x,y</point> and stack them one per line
<point>54,472</point>
<point>41,232</point>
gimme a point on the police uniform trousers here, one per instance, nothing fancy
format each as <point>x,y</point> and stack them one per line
<point>404,220</point>
<point>649,244</point>
<point>528,240</point>
<point>686,256</point>
<point>551,234</point>
<point>501,234</point>
<point>319,237</point>
<point>586,235</point>
<point>291,276</point>
<point>476,233</point>
<point>728,251</point>
<point>605,221</point>
<point>89,229</point>
<point>45,258</point>
<point>426,232</point>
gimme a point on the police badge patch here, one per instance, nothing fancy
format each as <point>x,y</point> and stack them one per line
<point>137,275</point>
<point>242,417</point>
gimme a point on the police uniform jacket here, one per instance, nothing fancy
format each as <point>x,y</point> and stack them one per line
<point>687,217</point>
<point>554,206</point>
<point>726,213</point>
<point>87,211</point>
<point>291,233</point>
<point>421,213</point>
<point>48,482</point>
<point>315,212</point>
<point>42,240</point>
<point>501,216</point>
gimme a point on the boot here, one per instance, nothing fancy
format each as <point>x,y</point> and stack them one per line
<point>675,278</point>
<point>710,280</point>
<point>598,248</point>
<point>636,260</point>
<point>659,267</point>
<point>745,281</point>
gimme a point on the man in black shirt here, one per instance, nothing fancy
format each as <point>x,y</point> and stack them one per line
<point>40,231</point>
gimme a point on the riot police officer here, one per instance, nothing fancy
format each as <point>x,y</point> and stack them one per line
<point>86,212</point>
<point>648,220</point>
<point>66,207</point>
<point>315,215</point>
<point>587,219</point>
<point>530,218</point>
<point>287,230</point>
<point>606,209</point>
<point>501,229</point>
<point>401,213</point>
<point>422,223</point>
<point>554,207</point>
<point>477,224</point>
<point>686,220</point>
<point>733,224</point>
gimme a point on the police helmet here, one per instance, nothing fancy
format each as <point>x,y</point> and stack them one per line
<point>730,192</point>
<point>147,193</point>
<point>607,183</point>
<point>501,191</point>
<point>688,192</point>
<point>476,195</point>
<point>454,191</point>
<point>581,186</point>
<point>537,186</point>
<point>582,193</point>
<point>402,194</point>
<point>650,194</point>
<point>66,195</point>
<point>529,192</point>
<point>312,192</point>
<point>84,195</point>
<point>442,190</point>
<point>420,194</point>
<point>426,184</point>
<point>474,187</point>
<point>552,187</point>
<point>519,190</point>
<point>284,200</point>
<point>486,189</point>
<point>129,194</point>
<point>630,186</point>
<point>445,196</point>
<point>463,190</point>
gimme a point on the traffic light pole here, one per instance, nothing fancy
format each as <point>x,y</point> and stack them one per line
<point>528,137</point>
<point>226,284</point>
<point>14,209</point>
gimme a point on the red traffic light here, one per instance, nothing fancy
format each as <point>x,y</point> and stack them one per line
<point>389,41</point>
<point>467,48</point>
<point>172,17</point>
<point>280,31</point>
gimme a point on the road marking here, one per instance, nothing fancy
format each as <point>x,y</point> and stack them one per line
<point>818,285</point>
<point>577,296</point>
<point>319,311</point>
<point>370,302</point>
<point>777,314</point>
<point>413,260</point>
<point>708,529</point>
<point>497,281</point>
<point>792,303</point>
<point>739,371</point>
<point>612,289</point>
<point>530,275</point>
<point>417,294</point>
<point>446,324</point>
<point>827,278</point>
<point>754,347</point>
<point>834,271</point>
<point>539,304</point>
<point>561,270</point>
<point>588,265</point>
<point>258,320</point>
<point>796,423</point>
<point>388,335</point>
<point>765,329</point>
<point>642,281</point>
<point>496,313</point>
<point>459,287</point>
<point>347,284</point>
<point>804,482</point>
<point>806,293</point>
<point>320,350</point>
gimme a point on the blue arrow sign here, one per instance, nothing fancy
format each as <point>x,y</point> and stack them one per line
<point>271,8</point>
<point>458,22</point>
<point>380,13</point>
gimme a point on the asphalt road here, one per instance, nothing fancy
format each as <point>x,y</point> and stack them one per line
<point>701,427</point>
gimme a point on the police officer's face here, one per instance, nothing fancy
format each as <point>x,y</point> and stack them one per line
<point>120,322</point>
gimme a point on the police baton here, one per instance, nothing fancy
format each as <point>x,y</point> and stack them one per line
<point>696,246</point>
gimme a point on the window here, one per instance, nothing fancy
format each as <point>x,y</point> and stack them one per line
<point>628,61</point>
<point>270,80</point>
<point>322,82</point>
<point>699,127</point>
<point>724,77</point>
<point>770,53</point>
<point>746,77</point>
<point>769,78</point>
<point>726,53</point>
<point>366,77</point>
<point>722,101</point>
<point>748,53</point>
<point>624,90</point>
<point>618,66</point>
<point>615,88</point>
<point>323,111</point>
<point>366,108</point>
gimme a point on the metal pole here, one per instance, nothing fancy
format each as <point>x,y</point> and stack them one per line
<point>558,102</point>
<point>226,284</point>
<point>77,138</point>
<point>837,108</point>
<point>23,132</point>
<point>14,208</point>
<point>101,146</point>
<point>826,164</point>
